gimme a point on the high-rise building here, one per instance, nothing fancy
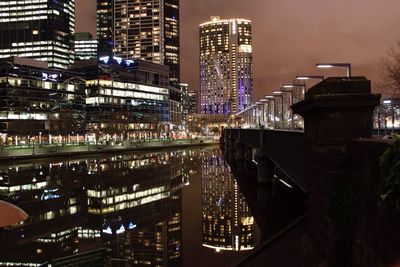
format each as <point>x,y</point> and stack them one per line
<point>37,102</point>
<point>38,29</point>
<point>184,87</point>
<point>228,224</point>
<point>125,98</point>
<point>226,66</point>
<point>105,26</point>
<point>175,106</point>
<point>85,46</point>
<point>142,29</point>
<point>192,101</point>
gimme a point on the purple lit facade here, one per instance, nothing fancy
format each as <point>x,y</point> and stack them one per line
<point>226,66</point>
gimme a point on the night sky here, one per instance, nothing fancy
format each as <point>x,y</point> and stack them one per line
<point>289,36</point>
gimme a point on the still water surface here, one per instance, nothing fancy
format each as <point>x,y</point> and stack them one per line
<point>169,208</point>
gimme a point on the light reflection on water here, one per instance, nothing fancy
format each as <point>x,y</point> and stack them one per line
<point>174,208</point>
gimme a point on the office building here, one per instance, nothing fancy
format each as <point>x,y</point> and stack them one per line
<point>38,29</point>
<point>125,99</point>
<point>226,66</point>
<point>192,96</point>
<point>142,29</point>
<point>184,88</point>
<point>38,104</point>
<point>104,27</point>
<point>85,46</point>
<point>175,102</point>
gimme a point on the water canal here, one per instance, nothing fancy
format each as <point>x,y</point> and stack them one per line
<point>167,208</point>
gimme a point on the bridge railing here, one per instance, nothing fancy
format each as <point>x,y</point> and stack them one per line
<point>285,148</point>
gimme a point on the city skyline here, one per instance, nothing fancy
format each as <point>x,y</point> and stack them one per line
<point>361,33</point>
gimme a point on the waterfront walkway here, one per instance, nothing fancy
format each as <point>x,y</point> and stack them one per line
<point>62,150</point>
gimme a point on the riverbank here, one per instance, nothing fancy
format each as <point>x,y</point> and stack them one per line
<point>38,152</point>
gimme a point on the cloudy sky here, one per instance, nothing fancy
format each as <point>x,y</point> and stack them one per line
<point>290,36</point>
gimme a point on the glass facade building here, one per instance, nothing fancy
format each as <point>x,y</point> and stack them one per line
<point>110,99</point>
<point>38,104</point>
<point>141,29</point>
<point>104,27</point>
<point>125,98</point>
<point>226,66</point>
<point>85,46</point>
<point>39,29</point>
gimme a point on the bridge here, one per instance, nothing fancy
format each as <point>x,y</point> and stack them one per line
<point>331,160</point>
<point>269,149</point>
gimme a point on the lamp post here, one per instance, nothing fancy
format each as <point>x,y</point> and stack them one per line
<point>280,95</point>
<point>289,89</point>
<point>305,78</point>
<point>258,111</point>
<point>333,65</point>
<point>270,99</point>
<point>309,77</point>
<point>293,89</point>
<point>264,102</point>
<point>254,114</point>
<point>295,86</point>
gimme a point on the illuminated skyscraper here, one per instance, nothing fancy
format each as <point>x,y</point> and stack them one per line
<point>85,47</point>
<point>226,66</point>
<point>227,220</point>
<point>104,27</point>
<point>143,29</point>
<point>38,29</point>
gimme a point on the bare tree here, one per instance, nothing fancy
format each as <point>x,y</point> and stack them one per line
<point>391,72</point>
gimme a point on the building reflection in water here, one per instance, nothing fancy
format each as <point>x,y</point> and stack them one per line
<point>119,211</point>
<point>227,221</point>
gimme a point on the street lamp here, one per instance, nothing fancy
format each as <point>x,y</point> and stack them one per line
<point>333,65</point>
<point>293,86</point>
<point>254,114</point>
<point>272,99</point>
<point>309,77</point>
<point>264,101</point>
<point>279,94</point>
<point>288,88</point>
<point>261,111</point>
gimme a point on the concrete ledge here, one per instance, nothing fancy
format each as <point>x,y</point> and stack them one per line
<point>9,159</point>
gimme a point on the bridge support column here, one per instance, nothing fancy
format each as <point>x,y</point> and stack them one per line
<point>249,157</point>
<point>241,157</point>
<point>335,111</point>
<point>265,168</point>
<point>232,149</point>
<point>240,151</point>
